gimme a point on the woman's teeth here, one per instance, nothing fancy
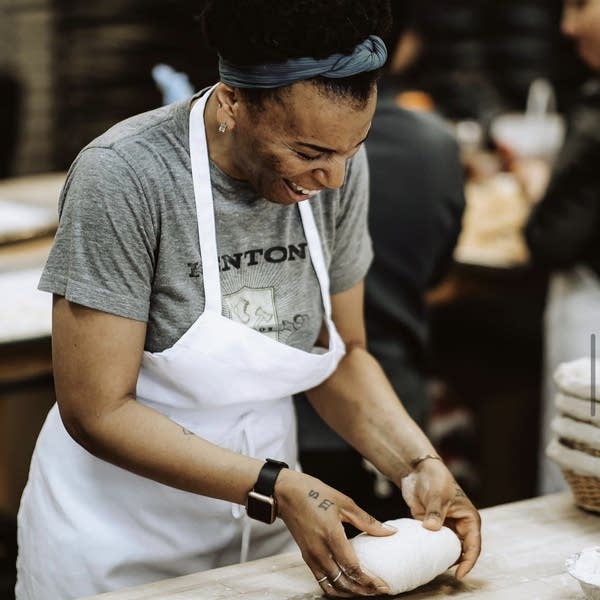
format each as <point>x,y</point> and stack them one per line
<point>300,190</point>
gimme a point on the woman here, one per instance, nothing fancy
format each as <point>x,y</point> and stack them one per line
<point>563,231</point>
<point>192,279</point>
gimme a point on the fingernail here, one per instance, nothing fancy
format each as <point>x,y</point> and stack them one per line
<point>390,527</point>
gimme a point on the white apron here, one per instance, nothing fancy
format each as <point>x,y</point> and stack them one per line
<point>572,314</point>
<point>86,526</point>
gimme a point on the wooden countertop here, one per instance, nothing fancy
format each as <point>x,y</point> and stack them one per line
<point>525,545</point>
<point>25,313</point>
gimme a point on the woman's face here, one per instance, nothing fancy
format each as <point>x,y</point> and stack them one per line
<point>298,144</point>
<point>581,21</point>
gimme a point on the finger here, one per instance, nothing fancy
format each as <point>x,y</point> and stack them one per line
<point>471,549</point>
<point>332,592</point>
<point>339,586</point>
<point>363,521</point>
<point>325,575</point>
<point>353,578</point>
<point>435,513</point>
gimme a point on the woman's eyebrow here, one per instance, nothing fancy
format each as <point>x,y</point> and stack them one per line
<point>326,150</point>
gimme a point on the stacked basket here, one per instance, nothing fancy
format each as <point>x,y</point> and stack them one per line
<point>576,445</point>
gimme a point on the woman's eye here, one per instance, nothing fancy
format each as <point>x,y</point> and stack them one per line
<point>306,156</point>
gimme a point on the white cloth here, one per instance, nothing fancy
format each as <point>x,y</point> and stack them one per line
<point>575,377</point>
<point>572,315</point>
<point>574,460</point>
<point>578,408</point>
<point>86,526</point>
<point>570,429</point>
<point>411,557</point>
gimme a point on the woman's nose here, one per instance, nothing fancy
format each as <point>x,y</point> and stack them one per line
<point>332,176</point>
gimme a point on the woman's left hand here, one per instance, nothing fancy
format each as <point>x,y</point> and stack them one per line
<point>435,498</point>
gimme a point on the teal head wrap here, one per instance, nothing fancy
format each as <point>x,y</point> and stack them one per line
<point>369,55</point>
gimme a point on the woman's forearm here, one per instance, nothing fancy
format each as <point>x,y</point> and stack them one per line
<point>143,441</point>
<point>359,403</point>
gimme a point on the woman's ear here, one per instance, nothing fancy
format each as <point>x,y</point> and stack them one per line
<point>227,105</point>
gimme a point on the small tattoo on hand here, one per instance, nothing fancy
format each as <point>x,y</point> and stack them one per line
<point>326,504</point>
<point>313,494</point>
<point>187,431</point>
<point>459,493</point>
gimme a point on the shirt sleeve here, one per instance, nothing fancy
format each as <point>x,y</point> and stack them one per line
<point>103,253</point>
<point>352,252</point>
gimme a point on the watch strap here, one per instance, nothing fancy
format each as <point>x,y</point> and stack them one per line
<point>265,484</point>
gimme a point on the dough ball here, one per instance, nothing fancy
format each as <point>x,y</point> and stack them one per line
<point>411,557</point>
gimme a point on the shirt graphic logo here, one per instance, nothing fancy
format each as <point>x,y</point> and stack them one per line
<point>254,307</point>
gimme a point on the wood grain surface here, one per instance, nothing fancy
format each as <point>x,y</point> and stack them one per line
<point>525,545</point>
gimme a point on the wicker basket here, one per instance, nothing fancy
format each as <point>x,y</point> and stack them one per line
<point>586,489</point>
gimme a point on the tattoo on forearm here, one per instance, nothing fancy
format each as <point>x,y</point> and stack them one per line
<point>326,504</point>
<point>187,431</point>
<point>313,494</point>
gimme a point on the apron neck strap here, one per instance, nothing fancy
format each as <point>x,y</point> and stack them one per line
<point>316,254</point>
<point>205,212</point>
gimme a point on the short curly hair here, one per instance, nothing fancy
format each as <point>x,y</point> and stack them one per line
<point>251,32</point>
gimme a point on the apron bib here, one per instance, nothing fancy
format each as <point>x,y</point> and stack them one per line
<point>86,526</point>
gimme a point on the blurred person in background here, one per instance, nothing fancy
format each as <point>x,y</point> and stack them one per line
<point>416,207</point>
<point>209,263</point>
<point>563,232</point>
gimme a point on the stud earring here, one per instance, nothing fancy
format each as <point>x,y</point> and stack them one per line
<point>222,127</point>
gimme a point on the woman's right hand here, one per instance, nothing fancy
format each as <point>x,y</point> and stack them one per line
<point>314,513</point>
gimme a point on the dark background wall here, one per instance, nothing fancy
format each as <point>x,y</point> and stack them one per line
<point>79,67</point>
<point>69,70</point>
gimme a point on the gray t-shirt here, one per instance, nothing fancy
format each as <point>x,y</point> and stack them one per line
<point>127,242</point>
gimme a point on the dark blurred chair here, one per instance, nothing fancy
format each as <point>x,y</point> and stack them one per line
<point>8,556</point>
<point>10,109</point>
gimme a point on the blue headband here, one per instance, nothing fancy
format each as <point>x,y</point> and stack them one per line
<point>367,56</point>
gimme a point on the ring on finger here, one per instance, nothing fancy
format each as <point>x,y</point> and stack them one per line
<point>322,579</point>
<point>337,577</point>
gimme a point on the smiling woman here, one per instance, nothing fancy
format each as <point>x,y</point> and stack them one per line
<point>581,21</point>
<point>293,125</point>
<point>208,266</point>
<point>296,145</point>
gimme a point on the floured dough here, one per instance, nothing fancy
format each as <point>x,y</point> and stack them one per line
<point>411,557</point>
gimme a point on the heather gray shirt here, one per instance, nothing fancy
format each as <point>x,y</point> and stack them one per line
<point>127,242</point>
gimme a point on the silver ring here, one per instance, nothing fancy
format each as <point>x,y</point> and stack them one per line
<point>322,579</point>
<point>337,577</point>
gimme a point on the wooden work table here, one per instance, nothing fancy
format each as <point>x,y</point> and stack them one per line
<point>525,545</point>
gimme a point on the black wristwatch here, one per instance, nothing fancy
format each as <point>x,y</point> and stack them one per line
<point>261,504</point>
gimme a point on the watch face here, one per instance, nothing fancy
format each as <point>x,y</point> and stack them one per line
<point>260,507</point>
